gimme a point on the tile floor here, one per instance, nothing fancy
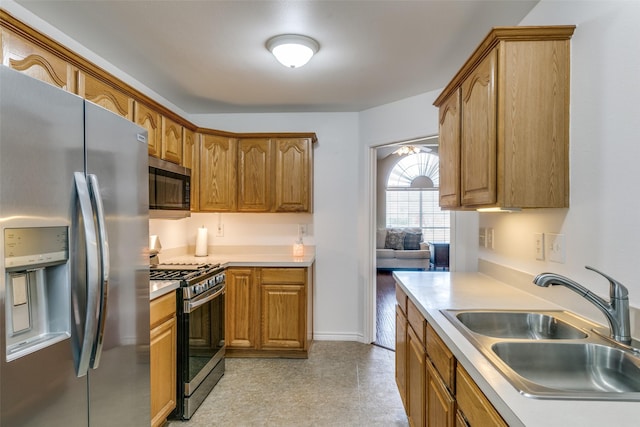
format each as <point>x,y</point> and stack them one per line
<point>340,384</point>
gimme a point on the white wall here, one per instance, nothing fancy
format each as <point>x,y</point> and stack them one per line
<point>601,226</point>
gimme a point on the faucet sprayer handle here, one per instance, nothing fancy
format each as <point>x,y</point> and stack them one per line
<point>616,289</point>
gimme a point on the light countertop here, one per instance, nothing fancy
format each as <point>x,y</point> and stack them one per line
<point>433,291</point>
<point>236,256</point>
<point>247,260</point>
<point>157,288</point>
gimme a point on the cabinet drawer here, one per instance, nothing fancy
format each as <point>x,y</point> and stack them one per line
<point>417,321</point>
<point>475,406</point>
<point>401,299</point>
<point>283,275</point>
<point>441,357</point>
<point>162,308</point>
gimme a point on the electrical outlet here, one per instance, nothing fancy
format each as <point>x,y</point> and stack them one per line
<point>302,230</point>
<point>555,247</point>
<point>482,237</point>
<point>220,230</point>
<point>539,242</point>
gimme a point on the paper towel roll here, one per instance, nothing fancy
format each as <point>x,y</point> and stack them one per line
<point>201,242</point>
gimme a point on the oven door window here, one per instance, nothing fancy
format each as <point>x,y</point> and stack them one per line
<point>206,336</point>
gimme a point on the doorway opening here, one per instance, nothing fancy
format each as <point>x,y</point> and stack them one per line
<point>406,198</point>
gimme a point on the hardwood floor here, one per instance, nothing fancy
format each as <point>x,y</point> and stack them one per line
<point>385,310</point>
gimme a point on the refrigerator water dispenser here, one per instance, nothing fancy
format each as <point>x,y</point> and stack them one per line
<point>37,307</point>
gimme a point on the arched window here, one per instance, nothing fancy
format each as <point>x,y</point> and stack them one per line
<point>413,197</point>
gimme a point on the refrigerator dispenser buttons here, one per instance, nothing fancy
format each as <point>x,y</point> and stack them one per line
<point>37,302</point>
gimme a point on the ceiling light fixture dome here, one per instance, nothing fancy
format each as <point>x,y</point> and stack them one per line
<point>292,50</point>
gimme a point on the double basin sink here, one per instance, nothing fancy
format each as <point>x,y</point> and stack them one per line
<point>552,354</point>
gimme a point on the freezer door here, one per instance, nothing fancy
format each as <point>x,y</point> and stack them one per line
<point>41,146</point>
<point>119,386</point>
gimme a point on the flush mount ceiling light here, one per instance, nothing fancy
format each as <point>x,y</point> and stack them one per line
<point>411,149</point>
<point>292,50</point>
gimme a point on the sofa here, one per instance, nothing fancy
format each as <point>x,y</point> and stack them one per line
<point>401,248</point>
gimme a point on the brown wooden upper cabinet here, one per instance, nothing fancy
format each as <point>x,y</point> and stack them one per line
<point>256,174</point>
<point>218,182</point>
<point>171,141</point>
<point>190,159</point>
<point>35,61</point>
<point>255,163</point>
<point>105,95</point>
<point>150,120</point>
<point>293,174</point>
<point>504,122</point>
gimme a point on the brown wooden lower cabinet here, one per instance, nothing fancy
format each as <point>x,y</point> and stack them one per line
<point>441,405</point>
<point>473,404</point>
<point>268,311</point>
<point>163,357</point>
<point>416,380</point>
<point>401,355</point>
<point>435,389</point>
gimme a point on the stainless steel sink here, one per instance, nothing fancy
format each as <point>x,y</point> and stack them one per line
<point>551,354</point>
<point>528,325</point>
<point>545,368</point>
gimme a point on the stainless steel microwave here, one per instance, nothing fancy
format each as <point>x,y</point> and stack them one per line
<point>169,189</point>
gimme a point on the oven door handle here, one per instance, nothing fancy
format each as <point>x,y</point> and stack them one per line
<point>189,306</point>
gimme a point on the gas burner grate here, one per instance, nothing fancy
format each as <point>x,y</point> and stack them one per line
<point>184,272</point>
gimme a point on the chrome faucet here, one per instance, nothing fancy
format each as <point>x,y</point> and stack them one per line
<point>616,310</point>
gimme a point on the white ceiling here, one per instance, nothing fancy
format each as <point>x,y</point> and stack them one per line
<point>209,56</point>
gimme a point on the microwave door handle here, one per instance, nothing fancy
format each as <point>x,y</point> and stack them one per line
<point>103,241</point>
<point>91,248</point>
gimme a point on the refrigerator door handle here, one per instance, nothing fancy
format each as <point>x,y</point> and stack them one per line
<point>103,241</point>
<point>91,248</point>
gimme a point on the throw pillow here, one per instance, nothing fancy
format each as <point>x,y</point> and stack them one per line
<point>394,240</point>
<point>412,240</point>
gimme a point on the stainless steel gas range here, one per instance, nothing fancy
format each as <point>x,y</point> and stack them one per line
<point>200,312</point>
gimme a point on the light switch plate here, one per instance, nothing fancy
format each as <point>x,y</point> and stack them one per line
<point>555,247</point>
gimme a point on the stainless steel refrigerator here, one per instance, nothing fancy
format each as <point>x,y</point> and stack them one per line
<point>74,284</point>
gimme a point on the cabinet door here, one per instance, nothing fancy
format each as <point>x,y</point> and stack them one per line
<point>217,174</point>
<point>241,305</point>
<point>449,151</point>
<point>479,155</point>
<point>293,174</point>
<point>101,93</point>
<point>283,316</point>
<point>163,371</point>
<point>283,309</point>
<point>441,406</point>
<point>150,120</point>
<point>416,380</point>
<point>171,141</point>
<point>255,175</point>
<point>190,159</point>
<point>35,61</point>
<point>401,355</point>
